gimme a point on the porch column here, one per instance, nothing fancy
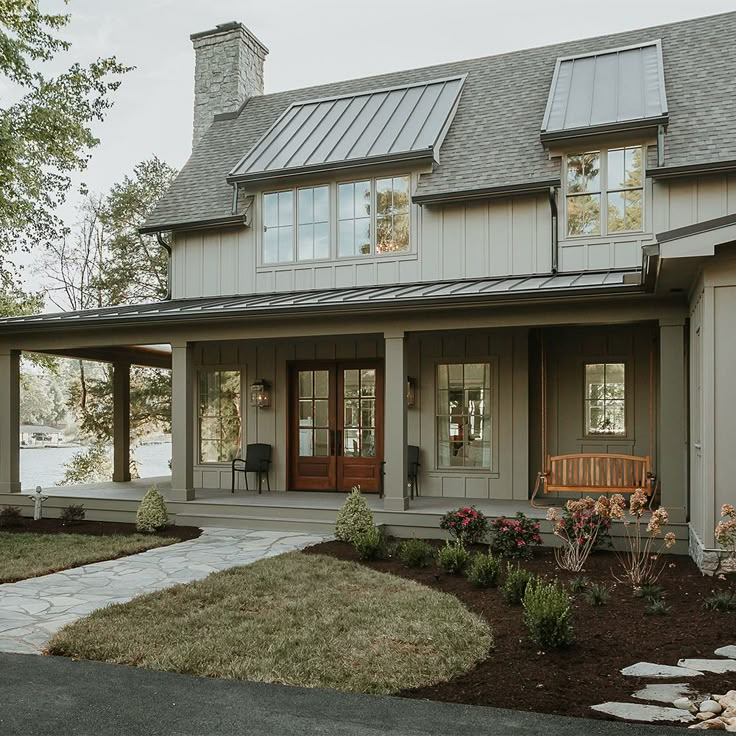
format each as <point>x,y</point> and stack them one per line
<point>395,434</point>
<point>673,417</point>
<point>121,422</point>
<point>9,421</point>
<point>182,422</point>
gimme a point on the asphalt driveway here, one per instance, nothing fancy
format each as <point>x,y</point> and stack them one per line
<point>60,697</point>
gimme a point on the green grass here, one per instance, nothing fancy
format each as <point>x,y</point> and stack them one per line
<point>27,555</point>
<point>296,619</point>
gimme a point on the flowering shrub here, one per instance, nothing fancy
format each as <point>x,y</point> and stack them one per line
<point>467,525</point>
<point>515,538</point>
<point>580,528</point>
<point>640,563</point>
<point>726,529</point>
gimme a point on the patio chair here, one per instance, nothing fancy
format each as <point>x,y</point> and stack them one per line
<point>412,469</point>
<point>257,460</point>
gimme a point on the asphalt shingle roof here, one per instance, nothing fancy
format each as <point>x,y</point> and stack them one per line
<point>494,140</point>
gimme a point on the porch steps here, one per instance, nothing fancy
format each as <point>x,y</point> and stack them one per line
<point>270,523</point>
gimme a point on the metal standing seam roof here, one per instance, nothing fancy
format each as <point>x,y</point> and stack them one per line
<point>399,295</point>
<point>605,88</point>
<point>408,121</point>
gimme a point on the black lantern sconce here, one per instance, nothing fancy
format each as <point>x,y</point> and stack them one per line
<point>411,392</point>
<point>260,394</point>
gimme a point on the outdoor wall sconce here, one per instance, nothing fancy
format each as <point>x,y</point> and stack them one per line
<point>411,392</point>
<point>260,394</point>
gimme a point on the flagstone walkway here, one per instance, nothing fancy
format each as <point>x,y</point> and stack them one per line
<point>32,610</point>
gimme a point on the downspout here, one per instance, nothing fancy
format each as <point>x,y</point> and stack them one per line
<point>555,233</point>
<point>167,248</point>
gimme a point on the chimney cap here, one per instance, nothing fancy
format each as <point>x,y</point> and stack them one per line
<point>232,25</point>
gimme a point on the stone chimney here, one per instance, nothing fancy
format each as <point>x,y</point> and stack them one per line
<point>228,70</point>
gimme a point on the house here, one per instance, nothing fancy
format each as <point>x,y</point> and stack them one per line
<point>39,435</point>
<point>493,260</point>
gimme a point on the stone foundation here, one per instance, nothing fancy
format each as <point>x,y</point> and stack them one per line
<point>709,561</point>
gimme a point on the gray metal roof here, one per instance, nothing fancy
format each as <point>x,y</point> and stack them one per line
<point>402,122</point>
<point>493,142</point>
<point>339,301</point>
<point>606,88</point>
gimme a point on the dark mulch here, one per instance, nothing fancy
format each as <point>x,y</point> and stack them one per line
<point>96,528</point>
<point>568,681</point>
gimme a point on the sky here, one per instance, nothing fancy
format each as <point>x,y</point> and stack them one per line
<point>310,42</point>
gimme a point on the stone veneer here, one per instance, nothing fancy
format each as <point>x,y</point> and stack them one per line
<point>710,561</point>
<point>228,70</point>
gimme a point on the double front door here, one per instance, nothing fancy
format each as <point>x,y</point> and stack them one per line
<point>336,426</point>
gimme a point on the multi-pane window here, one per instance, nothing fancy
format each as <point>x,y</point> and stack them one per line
<point>605,399</point>
<point>354,218</point>
<point>464,415</point>
<point>392,215</point>
<point>314,413</point>
<point>278,227</point>
<point>604,192</point>
<point>359,407</point>
<point>219,416</point>
<point>313,216</point>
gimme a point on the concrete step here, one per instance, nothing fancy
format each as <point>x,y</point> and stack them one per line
<point>242,521</point>
<point>258,510</point>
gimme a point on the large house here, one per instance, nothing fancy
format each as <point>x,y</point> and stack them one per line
<point>493,260</point>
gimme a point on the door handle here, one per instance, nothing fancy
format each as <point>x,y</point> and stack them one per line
<point>332,442</point>
<point>339,442</point>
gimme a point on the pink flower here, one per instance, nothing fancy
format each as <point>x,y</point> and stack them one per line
<point>521,543</point>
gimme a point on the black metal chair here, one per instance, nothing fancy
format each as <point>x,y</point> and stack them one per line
<point>412,469</point>
<point>257,460</point>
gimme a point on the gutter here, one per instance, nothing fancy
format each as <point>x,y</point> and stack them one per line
<point>504,190</point>
<point>229,221</point>
<point>592,131</point>
<point>167,248</point>
<point>712,167</point>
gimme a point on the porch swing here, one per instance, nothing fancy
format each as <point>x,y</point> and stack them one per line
<point>587,472</point>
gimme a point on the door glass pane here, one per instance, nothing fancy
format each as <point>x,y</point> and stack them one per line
<point>321,413</point>
<point>305,413</point>
<point>368,413</point>
<point>352,412</point>
<point>321,442</point>
<point>306,444</point>
<point>368,443</point>
<point>352,382</point>
<point>322,384</point>
<point>368,382</point>
<point>305,384</point>
<point>351,443</point>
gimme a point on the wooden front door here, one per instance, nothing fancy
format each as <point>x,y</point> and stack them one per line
<point>336,426</point>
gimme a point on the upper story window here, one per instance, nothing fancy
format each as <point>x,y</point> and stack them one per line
<point>604,192</point>
<point>354,211</point>
<point>313,215</point>
<point>278,227</point>
<point>392,215</point>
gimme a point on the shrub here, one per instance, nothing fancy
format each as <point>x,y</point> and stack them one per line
<point>726,529</point>
<point>466,524</point>
<point>724,600</point>
<point>484,570</point>
<point>355,517</point>
<point>658,607</point>
<point>547,614</point>
<point>597,594</point>
<point>414,552</point>
<point>514,538</point>
<point>579,584</point>
<point>649,590</point>
<point>453,558</point>
<point>72,514</point>
<point>151,515</point>
<point>10,516</point>
<point>370,544</point>
<point>515,584</point>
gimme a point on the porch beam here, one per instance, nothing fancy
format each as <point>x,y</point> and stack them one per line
<point>121,422</point>
<point>9,421</point>
<point>395,423</point>
<point>673,416</point>
<point>182,421</point>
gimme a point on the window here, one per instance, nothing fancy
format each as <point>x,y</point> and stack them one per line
<point>356,231</point>
<point>278,227</point>
<point>464,405</point>
<point>605,399</point>
<point>313,215</point>
<point>604,192</point>
<point>219,416</point>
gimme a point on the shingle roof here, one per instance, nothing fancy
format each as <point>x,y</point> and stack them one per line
<point>494,140</point>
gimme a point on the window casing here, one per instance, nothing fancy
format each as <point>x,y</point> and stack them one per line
<point>605,399</point>
<point>464,408</point>
<point>219,416</point>
<point>604,192</point>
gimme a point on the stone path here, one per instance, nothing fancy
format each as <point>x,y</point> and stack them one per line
<point>32,610</point>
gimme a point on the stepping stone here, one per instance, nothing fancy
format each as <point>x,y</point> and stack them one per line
<point>709,665</point>
<point>663,671</point>
<point>664,692</point>
<point>729,651</point>
<point>647,713</point>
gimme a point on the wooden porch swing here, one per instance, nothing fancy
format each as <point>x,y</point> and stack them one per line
<point>594,472</point>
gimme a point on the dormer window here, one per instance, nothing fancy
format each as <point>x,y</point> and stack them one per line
<point>604,192</point>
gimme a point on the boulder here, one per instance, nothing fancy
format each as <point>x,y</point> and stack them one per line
<point>711,706</point>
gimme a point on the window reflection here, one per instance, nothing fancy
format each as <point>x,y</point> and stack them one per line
<point>605,398</point>
<point>219,416</point>
<point>313,236</point>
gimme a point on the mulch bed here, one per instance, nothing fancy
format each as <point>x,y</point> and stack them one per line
<point>96,528</point>
<point>569,681</point>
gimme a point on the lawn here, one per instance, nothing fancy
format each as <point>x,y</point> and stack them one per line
<point>296,619</point>
<point>28,554</point>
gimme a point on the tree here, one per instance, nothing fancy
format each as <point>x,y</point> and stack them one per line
<point>46,134</point>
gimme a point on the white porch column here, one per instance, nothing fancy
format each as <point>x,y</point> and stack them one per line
<point>673,417</point>
<point>182,422</point>
<point>9,421</point>
<point>395,434</point>
<point>121,422</point>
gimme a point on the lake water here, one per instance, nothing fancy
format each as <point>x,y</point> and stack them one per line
<point>45,466</point>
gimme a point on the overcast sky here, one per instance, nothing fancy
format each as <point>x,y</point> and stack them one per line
<point>310,42</point>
